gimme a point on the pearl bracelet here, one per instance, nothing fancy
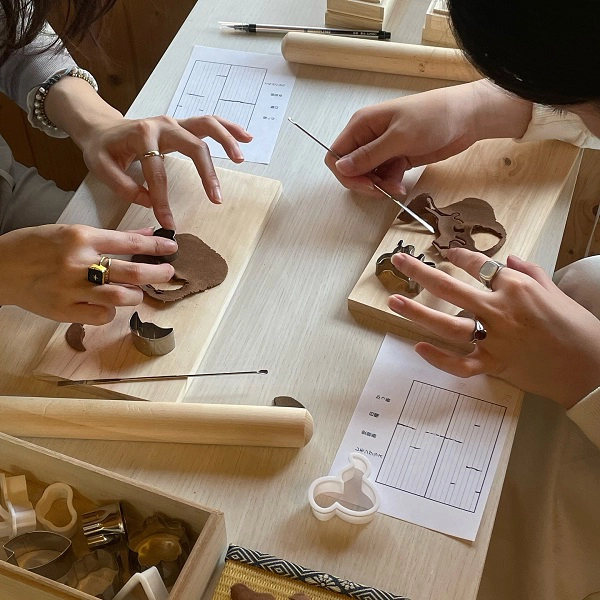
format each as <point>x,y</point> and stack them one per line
<point>37,97</point>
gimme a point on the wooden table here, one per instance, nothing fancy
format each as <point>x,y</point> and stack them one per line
<point>289,315</point>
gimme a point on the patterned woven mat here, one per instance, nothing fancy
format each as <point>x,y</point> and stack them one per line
<point>268,574</point>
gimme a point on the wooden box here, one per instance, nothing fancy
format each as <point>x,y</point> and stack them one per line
<point>93,487</point>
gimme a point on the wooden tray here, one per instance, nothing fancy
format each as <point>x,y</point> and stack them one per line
<point>522,182</point>
<point>232,229</point>
<point>95,487</point>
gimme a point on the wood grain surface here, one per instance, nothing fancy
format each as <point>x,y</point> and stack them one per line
<point>231,229</point>
<point>522,182</point>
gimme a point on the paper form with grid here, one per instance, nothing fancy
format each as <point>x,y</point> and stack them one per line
<point>434,440</point>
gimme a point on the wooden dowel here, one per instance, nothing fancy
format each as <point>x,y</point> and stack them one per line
<point>377,56</point>
<point>183,423</point>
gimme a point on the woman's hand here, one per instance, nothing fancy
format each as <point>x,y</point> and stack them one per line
<point>109,151</point>
<point>383,141</point>
<point>110,143</point>
<point>44,270</point>
<point>538,338</point>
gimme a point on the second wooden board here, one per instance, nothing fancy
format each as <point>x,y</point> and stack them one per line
<point>522,182</point>
<point>233,229</point>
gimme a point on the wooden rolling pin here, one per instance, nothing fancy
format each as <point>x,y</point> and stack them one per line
<point>136,421</point>
<point>377,56</point>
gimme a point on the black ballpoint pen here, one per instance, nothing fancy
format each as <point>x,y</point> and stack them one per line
<point>257,28</point>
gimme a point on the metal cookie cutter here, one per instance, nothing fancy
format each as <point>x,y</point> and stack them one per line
<point>105,527</point>
<point>150,339</point>
<point>394,280</point>
<point>42,552</point>
<point>19,515</point>
<point>54,492</point>
<point>151,584</point>
<point>355,498</point>
<point>96,574</point>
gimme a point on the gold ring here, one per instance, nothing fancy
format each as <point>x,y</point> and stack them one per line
<point>152,153</point>
<point>99,273</point>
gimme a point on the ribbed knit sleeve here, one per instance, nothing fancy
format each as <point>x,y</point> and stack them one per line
<point>586,414</point>
<point>28,68</point>
<point>547,124</point>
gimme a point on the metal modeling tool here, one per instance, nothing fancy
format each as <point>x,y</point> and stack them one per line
<point>54,492</point>
<point>105,527</point>
<point>410,212</point>
<point>351,487</point>
<point>96,574</point>
<point>400,283</point>
<point>150,339</point>
<point>42,552</point>
<point>153,378</point>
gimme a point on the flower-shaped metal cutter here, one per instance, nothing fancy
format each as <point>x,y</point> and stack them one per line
<point>394,280</point>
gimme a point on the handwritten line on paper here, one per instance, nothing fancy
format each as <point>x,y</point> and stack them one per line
<point>430,473</point>
<point>434,440</point>
<point>252,90</point>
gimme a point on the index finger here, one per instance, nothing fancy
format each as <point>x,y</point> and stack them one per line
<point>156,178</point>
<point>126,242</point>
<point>442,285</point>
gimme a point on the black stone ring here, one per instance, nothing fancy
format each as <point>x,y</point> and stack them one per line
<point>479,333</point>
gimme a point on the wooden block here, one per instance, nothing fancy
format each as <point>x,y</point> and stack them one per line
<point>437,30</point>
<point>337,19</point>
<point>358,8</point>
<point>232,229</point>
<point>522,182</point>
<point>94,487</point>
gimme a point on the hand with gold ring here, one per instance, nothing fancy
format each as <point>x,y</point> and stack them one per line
<point>112,143</point>
<point>46,270</point>
<point>536,337</point>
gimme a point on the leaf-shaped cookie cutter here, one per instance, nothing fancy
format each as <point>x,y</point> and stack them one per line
<point>405,284</point>
<point>150,339</point>
<point>335,484</point>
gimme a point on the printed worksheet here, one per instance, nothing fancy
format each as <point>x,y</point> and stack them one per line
<point>250,89</point>
<point>434,440</point>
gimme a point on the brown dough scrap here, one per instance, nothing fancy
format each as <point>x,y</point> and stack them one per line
<point>197,267</point>
<point>74,336</point>
<point>456,223</point>
<point>239,591</point>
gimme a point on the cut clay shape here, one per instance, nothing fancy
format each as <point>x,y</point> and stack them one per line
<point>74,336</point>
<point>351,487</point>
<point>456,223</point>
<point>197,268</point>
<point>239,591</point>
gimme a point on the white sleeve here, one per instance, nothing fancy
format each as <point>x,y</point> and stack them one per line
<point>586,414</point>
<point>29,67</point>
<point>547,124</point>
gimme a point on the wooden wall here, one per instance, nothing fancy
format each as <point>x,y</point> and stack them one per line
<point>135,35</point>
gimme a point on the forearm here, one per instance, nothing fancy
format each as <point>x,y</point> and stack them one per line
<point>73,106</point>
<point>496,113</point>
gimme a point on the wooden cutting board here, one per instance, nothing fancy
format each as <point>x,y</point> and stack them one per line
<point>233,229</point>
<point>523,183</point>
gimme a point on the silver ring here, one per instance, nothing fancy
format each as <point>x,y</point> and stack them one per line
<point>488,271</point>
<point>152,153</point>
<point>479,332</point>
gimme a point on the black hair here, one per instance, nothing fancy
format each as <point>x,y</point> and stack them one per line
<point>23,20</point>
<point>545,51</point>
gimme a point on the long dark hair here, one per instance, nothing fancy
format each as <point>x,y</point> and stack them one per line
<point>546,51</point>
<point>23,20</point>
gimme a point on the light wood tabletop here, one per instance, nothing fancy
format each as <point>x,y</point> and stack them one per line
<point>289,315</point>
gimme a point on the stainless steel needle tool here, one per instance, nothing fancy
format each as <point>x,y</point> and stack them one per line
<point>410,212</point>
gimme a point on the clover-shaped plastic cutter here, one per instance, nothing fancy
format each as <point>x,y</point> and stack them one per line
<point>359,467</point>
<point>398,282</point>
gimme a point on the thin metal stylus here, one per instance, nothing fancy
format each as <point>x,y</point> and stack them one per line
<point>107,380</point>
<point>410,212</point>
